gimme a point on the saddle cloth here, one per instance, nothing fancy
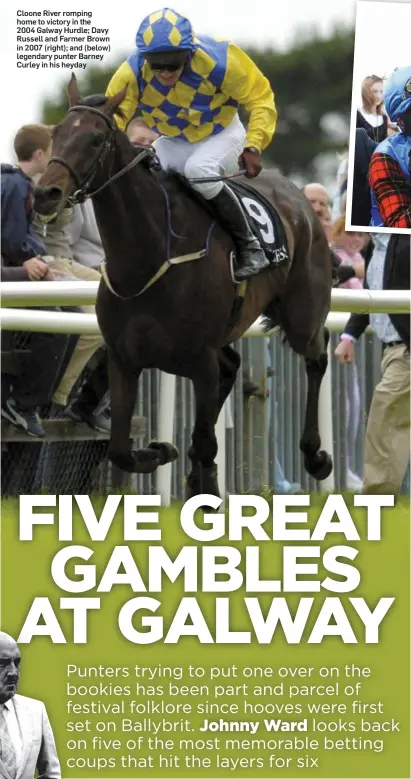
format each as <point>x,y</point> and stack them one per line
<point>262,217</point>
<point>264,222</point>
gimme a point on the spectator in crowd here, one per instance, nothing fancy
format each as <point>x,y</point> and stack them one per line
<point>140,133</point>
<point>86,249</point>
<point>318,197</point>
<point>22,261</point>
<point>390,167</point>
<point>62,263</point>
<point>387,445</point>
<point>348,245</point>
<point>84,237</point>
<point>371,117</point>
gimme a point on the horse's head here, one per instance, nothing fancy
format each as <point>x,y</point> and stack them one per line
<point>82,142</point>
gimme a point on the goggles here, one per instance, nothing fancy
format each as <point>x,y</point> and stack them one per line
<point>169,61</point>
<point>158,67</point>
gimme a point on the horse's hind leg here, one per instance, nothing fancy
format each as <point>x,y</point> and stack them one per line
<point>229,362</point>
<point>302,313</point>
<point>318,463</point>
<point>203,476</point>
<point>123,389</point>
<point>205,376</point>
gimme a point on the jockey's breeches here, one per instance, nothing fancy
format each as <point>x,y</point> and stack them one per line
<point>217,155</point>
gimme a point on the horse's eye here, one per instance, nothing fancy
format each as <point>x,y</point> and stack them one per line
<point>97,140</point>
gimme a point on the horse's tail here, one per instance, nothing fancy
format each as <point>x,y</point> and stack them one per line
<point>271,318</point>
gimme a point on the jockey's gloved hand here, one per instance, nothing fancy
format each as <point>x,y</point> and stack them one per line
<point>251,161</point>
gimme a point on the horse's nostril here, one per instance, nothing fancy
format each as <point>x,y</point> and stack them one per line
<point>48,193</point>
<point>47,197</point>
<point>55,193</point>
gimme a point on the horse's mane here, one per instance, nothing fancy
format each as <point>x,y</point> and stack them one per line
<point>98,100</point>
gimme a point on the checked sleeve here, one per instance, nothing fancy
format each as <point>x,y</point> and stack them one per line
<point>392,191</point>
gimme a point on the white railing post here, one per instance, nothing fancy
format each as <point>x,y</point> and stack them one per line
<point>220,431</point>
<point>166,411</point>
<point>325,420</point>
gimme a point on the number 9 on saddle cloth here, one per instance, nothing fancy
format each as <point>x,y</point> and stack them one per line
<point>264,222</point>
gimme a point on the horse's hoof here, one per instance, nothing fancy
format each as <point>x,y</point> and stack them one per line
<point>320,465</point>
<point>202,481</point>
<point>166,453</point>
<point>141,461</point>
<point>123,461</point>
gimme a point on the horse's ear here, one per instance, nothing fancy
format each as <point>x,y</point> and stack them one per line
<point>114,102</point>
<point>73,91</point>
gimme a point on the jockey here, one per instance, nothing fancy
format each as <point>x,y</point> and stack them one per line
<point>390,167</point>
<point>189,91</point>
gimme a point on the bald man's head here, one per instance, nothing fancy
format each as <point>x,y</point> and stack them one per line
<point>9,667</point>
<point>318,197</point>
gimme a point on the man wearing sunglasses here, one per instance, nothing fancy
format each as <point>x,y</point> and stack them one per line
<point>189,91</point>
<point>390,167</point>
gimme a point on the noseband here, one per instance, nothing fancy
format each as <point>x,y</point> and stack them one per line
<point>82,192</point>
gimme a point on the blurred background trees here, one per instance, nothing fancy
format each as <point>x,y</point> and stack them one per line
<point>312,83</point>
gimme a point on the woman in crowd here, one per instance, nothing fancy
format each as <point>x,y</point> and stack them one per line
<point>371,116</point>
<point>348,247</point>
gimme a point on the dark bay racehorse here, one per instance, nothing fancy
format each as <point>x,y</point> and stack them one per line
<point>184,322</point>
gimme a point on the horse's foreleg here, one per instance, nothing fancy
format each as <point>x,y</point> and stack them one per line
<point>318,463</point>
<point>123,390</point>
<point>205,375</point>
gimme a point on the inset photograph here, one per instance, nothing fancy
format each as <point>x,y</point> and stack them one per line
<point>379,165</point>
<point>27,746</point>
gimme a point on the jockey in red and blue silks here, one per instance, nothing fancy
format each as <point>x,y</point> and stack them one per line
<point>390,166</point>
<point>189,90</point>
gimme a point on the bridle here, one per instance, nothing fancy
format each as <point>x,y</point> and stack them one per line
<point>82,192</point>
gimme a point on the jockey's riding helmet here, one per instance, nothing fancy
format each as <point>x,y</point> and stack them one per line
<point>166,39</point>
<point>397,93</point>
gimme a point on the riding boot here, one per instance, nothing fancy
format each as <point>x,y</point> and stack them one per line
<point>252,257</point>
